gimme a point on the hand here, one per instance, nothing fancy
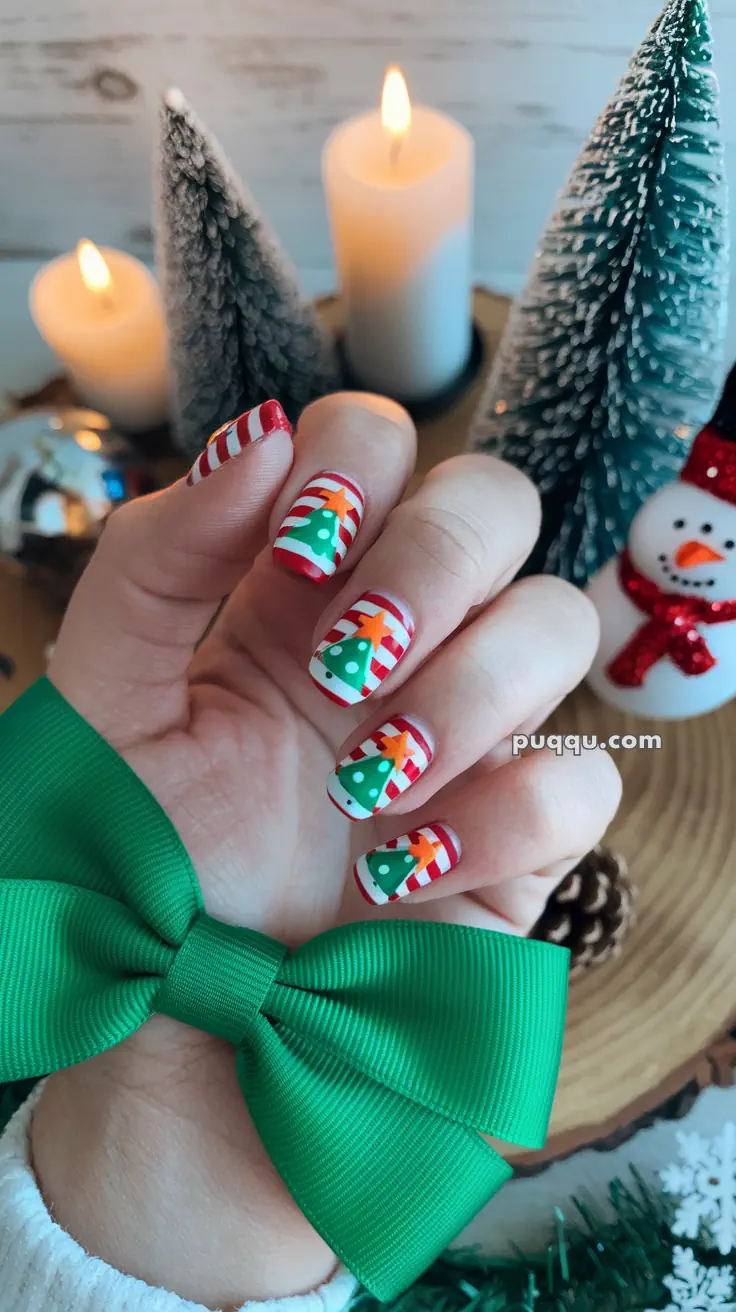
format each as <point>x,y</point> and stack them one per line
<point>236,742</point>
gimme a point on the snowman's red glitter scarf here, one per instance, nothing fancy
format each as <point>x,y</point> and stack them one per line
<point>669,633</point>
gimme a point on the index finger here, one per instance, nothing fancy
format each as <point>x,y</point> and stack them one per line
<point>354,455</point>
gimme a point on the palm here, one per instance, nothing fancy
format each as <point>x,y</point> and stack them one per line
<point>245,786</point>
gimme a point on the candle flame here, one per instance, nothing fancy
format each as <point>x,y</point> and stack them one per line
<point>395,103</point>
<point>93,268</point>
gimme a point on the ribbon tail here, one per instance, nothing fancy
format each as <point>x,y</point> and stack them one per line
<point>386,1182</point>
<point>79,972</point>
<point>462,1020</point>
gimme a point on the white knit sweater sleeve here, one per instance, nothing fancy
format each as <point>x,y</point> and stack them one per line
<point>42,1269</point>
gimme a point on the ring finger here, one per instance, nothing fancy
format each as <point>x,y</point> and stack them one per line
<point>528,649</point>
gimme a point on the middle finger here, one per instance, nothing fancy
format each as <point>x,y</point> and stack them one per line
<point>456,542</point>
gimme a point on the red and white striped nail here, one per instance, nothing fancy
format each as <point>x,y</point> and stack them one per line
<point>381,769</point>
<point>235,436</point>
<point>362,649</point>
<point>407,864</point>
<point>320,527</point>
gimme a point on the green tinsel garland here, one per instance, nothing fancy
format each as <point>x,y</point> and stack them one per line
<point>594,1263</point>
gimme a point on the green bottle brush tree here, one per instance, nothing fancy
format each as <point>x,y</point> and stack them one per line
<point>613,356</point>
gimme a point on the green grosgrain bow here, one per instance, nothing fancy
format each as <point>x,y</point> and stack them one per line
<point>370,1058</point>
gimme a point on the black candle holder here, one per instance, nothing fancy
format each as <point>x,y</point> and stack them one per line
<point>430,407</point>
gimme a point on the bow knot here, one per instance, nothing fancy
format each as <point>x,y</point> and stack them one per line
<point>220,978</point>
<point>373,1058</point>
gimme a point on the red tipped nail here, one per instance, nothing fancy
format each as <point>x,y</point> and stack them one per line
<point>407,864</point>
<point>320,527</point>
<point>228,441</point>
<point>380,769</point>
<point>362,649</point>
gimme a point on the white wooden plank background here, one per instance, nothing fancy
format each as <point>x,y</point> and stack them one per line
<point>80,81</point>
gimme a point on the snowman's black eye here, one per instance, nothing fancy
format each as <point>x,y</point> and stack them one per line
<point>706,528</point>
<point>679,523</point>
<point>730,544</point>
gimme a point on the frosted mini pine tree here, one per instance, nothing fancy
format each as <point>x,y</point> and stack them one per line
<point>612,357</point>
<point>239,330</point>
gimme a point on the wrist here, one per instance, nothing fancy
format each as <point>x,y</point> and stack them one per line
<point>148,1157</point>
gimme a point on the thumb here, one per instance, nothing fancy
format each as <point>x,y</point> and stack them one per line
<point>163,565</point>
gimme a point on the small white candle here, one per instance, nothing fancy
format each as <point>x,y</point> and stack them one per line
<point>399,187</point>
<point>100,311</point>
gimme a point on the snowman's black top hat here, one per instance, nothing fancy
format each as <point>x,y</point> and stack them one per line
<point>711,464</point>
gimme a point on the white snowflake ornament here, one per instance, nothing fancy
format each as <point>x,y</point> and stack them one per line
<point>705,1180</point>
<point>697,1288</point>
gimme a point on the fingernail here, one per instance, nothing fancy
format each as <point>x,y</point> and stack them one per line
<point>235,436</point>
<point>380,770</point>
<point>365,645</point>
<point>321,527</point>
<point>406,864</point>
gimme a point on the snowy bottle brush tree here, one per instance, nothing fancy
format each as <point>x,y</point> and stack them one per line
<point>239,331</point>
<point>613,354</point>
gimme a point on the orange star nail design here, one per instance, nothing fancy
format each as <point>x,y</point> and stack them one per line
<point>336,501</point>
<point>374,627</point>
<point>397,749</point>
<point>424,852</point>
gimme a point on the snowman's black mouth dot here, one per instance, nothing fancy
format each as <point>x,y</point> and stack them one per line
<point>675,578</point>
<point>697,584</point>
<point>663,558</point>
<point>711,583</point>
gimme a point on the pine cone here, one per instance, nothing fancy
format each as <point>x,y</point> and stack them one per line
<point>591,911</point>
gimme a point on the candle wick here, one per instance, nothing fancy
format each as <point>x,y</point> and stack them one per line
<point>395,149</point>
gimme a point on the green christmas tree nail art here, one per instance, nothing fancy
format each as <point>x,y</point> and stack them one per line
<point>350,659</point>
<point>380,770</point>
<point>365,781</point>
<point>390,869</point>
<point>320,527</point>
<point>361,650</point>
<point>407,864</point>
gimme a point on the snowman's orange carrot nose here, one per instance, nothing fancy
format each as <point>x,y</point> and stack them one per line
<point>696,553</point>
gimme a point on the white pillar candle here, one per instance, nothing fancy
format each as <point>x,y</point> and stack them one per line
<point>100,311</point>
<point>399,187</point>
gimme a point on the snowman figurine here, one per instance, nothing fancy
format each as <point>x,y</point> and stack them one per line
<point>667,606</point>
